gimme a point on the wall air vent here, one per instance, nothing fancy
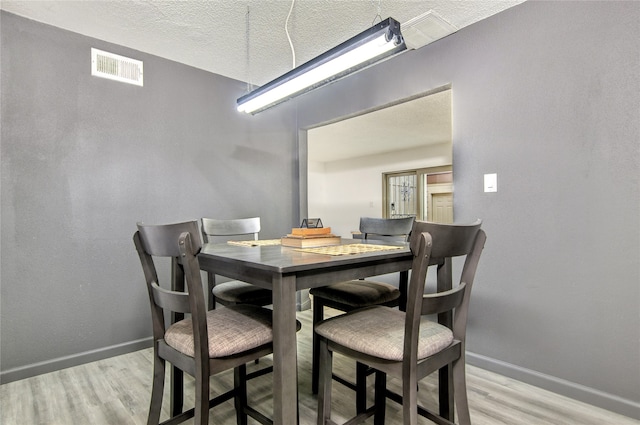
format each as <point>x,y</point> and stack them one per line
<point>116,67</point>
<point>425,29</point>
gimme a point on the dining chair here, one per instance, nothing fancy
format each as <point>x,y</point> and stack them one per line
<point>206,343</point>
<point>354,294</point>
<point>233,292</point>
<point>409,345</point>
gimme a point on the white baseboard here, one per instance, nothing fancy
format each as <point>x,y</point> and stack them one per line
<point>28,371</point>
<point>569,389</point>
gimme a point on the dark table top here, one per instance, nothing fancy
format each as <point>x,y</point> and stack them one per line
<point>260,264</point>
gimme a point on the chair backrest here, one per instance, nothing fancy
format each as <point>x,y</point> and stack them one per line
<point>433,243</point>
<point>390,229</point>
<point>179,241</point>
<point>234,227</point>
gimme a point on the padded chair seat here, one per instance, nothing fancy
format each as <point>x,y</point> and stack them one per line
<point>238,292</point>
<point>358,293</point>
<point>235,329</point>
<point>379,332</point>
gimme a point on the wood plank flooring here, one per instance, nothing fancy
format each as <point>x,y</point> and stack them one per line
<point>116,391</point>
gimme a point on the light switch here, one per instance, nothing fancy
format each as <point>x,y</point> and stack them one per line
<point>491,182</point>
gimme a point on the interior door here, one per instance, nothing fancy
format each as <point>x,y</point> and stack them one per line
<point>442,207</point>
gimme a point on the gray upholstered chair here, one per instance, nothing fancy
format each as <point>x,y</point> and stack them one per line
<point>354,294</point>
<point>409,346</point>
<point>234,291</point>
<point>206,343</point>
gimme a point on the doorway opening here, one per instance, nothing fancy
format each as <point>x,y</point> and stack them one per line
<point>344,160</point>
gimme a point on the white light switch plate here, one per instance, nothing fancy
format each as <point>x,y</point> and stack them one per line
<point>491,182</point>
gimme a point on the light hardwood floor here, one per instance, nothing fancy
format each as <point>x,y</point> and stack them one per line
<point>116,391</point>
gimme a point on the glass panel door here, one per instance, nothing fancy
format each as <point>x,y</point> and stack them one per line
<point>402,199</point>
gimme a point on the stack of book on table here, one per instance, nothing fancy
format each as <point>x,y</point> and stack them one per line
<point>302,237</point>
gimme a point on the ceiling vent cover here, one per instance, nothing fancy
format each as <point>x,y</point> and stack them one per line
<point>116,67</point>
<point>425,29</point>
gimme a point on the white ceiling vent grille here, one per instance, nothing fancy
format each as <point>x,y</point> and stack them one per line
<point>116,67</point>
<point>425,29</point>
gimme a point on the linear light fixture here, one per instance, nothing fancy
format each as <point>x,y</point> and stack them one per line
<point>378,42</point>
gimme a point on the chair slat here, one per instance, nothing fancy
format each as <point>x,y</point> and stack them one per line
<point>171,300</point>
<point>443,301</point>
<point>160,240</point>
<point>451,241</point>
<point>386,229</point>
<point>240,226</point>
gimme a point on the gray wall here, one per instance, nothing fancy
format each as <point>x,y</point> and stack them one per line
<point>547,95</point>
<point>84,159</point>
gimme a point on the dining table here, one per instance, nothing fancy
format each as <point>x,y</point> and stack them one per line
<point>286,270</point>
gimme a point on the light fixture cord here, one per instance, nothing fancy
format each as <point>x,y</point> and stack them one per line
<point>286,29</point>
<point>378,14</point>
<point>248,33</point>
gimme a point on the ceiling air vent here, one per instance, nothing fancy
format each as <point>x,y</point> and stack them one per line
<point>116,67</point>
<point>425,29</point>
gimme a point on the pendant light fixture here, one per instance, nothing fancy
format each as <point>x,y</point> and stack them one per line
<point>372,45</point>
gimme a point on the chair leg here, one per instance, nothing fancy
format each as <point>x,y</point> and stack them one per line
<point>177,391</point>
<point>380,398</point>
<point>410,395</point>
<point>361,387</point>
<point>318,315</point>
<point>201,406</point>
<point>324,394</point>
<point>460,391</point>
<point>157,389</point>
<point>240,398</point>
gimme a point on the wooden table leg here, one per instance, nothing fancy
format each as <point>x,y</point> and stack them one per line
<point>403,285</point>
<point>285,370</point>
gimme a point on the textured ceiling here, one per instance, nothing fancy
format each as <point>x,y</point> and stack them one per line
<point>246,40</point>
<point>220,37</point>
